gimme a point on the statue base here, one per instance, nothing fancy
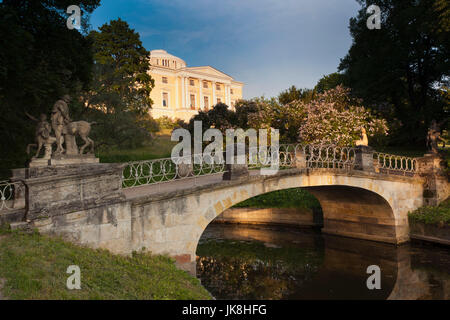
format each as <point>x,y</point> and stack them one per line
<point>66,159</point>
<point>39,162</point>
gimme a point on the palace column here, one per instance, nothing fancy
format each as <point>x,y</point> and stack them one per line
<point>177,104</point>
<point>183,94</point>
<point>201,104</point>
<point>214,93</point>
<point>186,88</point>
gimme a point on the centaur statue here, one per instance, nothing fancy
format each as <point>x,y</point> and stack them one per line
<point>65,131</point>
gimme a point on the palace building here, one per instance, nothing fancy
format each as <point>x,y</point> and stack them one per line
<point>181,91</point>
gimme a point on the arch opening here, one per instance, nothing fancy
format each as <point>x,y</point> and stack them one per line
<point>335,261</point>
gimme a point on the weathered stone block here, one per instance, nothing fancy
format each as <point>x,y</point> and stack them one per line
<point>364,158</point>
<point>57,190</point>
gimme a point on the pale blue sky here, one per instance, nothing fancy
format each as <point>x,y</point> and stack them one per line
<point>267,44</point>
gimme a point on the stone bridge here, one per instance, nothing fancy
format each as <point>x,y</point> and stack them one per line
<point>135,206</point>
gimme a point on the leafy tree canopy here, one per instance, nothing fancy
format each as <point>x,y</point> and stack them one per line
<point>403,67</point>
<point>293,94</point>
<point>119,97</point>
<point>329,81</point>
<point>122,65</point>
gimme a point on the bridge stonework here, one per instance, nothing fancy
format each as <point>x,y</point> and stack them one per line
<point>86,204</point>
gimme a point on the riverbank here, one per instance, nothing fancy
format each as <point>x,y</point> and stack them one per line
<point>431,224</point>
<point>34,266</point>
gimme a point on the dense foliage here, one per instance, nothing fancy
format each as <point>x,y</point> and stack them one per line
<point>402,68</point>
<point>119,97</point>
<point>40,60</point>
<point>438,215</point>
<point>333,116</point>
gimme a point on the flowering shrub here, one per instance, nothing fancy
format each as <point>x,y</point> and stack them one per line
<point>336,118</point>
<point>332,117</point>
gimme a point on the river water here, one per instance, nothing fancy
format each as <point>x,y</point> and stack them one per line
<point>266,262</point>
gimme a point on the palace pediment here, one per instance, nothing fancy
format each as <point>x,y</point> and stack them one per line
<point>209,71</point>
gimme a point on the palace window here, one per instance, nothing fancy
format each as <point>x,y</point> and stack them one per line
<point>205,84</point>
<point>217,86</point>
<point>165,100</point>
<point>164,80</point>
<point>206,102</point>
<point>192,101</point>
<point>191,82</point>
<point>231,91</point>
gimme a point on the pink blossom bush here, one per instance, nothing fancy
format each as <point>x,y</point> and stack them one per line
<point>333,117</point>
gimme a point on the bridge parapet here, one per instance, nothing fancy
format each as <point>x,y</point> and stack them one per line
<point>289,156</point>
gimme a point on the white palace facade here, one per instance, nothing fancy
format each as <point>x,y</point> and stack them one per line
<point>181,91</point>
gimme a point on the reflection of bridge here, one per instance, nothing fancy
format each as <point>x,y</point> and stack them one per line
<point>165,208</point>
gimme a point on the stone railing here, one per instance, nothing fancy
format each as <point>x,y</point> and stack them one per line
<point>12,195</point>
<point>390,163</point>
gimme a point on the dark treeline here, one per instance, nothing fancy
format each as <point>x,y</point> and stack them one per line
<point>41,59</point>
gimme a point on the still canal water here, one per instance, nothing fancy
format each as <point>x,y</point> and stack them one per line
<point>264,262</point>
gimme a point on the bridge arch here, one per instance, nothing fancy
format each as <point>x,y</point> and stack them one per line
<point>341,198</point>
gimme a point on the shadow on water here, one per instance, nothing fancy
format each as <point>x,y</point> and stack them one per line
<point>263,262</point>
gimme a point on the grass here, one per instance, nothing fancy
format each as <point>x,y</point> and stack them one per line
<point>34,267</point>
<point>160,147</point>
<point>437,215</point>
<point>288,198</point>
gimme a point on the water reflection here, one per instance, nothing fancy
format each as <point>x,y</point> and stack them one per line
<point>248,262</point>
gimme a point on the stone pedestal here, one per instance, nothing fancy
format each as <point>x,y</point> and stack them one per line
<point>39,162</point>
<point>184,170</point>
<point>57,190</point>
<point>436,188</point>
<point>431,163</point>
<point>72,159</point>
<point>364,158</point>
<point>235,170</point>
<point>300,159</point>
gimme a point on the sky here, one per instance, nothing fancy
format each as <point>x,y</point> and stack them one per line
<point>267,44</point>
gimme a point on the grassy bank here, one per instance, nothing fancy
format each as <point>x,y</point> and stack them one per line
<point>438,215</point>
<point>34,266</point>
<point>160,147</point>
<point>288,198</point>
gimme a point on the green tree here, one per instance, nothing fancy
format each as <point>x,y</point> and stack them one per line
<point>402,68</point>
<point>40,60</point>
<point>329,81</point>
<point>119,97</point>
<point>294,94</point>
<point>219,117</point>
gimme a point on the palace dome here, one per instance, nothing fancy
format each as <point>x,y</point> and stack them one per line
<point>164,59</point>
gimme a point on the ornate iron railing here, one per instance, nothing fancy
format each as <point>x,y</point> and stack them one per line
<point>12,195</point>
<point>164,170</point>
<point>313,156</point>
<point>390,162</point>
<point>263,158</point>
<point>329,156</point>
